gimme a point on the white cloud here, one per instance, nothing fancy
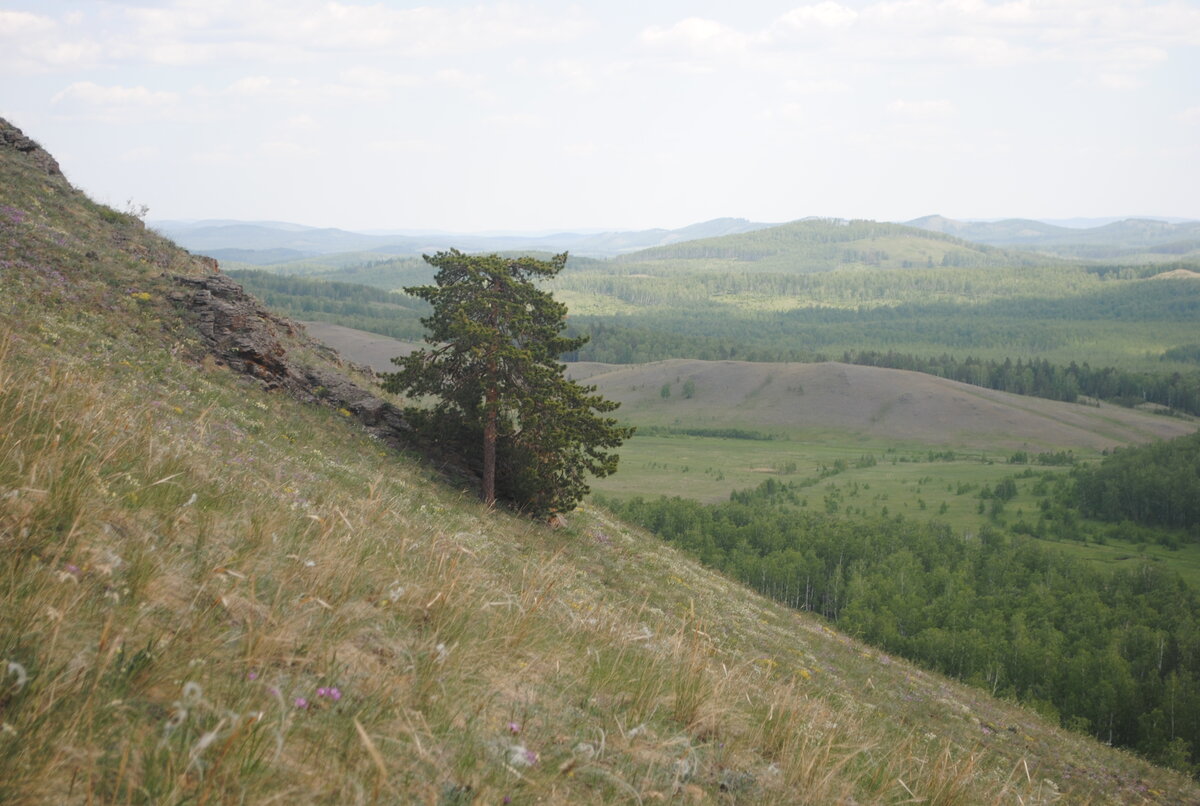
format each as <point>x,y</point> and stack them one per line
<point>377,78</point>
<point>251,85</point>
<point>1118,37</point>
<point>922,110</point>
<point>308,26</point>
<point>141,154</point>
<point>517,120</point>
<point>580,150</point>
<point>32,43</point>
<point>87,93</point>
<point>214,157</point>
<point>987,51</point>
<point>287,150</point>
<point>22,23</point>
<point>1118,81</point>
<point>697,36</point>
<point>815,86</point>
<point>823,15</point>
<point>404,147</point>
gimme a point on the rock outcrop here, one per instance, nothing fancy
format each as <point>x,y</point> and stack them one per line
<point>239,333</point>
<point>14,138</point>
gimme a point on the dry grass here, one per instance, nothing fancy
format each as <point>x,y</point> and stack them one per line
<point>188,576</point>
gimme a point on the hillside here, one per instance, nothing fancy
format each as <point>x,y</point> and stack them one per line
<point>885,403</point>
<point>819,245</point>
<point>859,400</point>
<point>219,586</point>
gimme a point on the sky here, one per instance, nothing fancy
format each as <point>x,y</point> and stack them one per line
<point>546,116</point>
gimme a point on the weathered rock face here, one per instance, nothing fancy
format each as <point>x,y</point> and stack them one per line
<point>247,338</point>
<point>12,137</point>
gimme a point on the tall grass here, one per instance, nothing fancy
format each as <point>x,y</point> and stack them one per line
<point>196,614</point>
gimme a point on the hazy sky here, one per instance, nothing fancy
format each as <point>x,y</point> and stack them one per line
<point>534,116</point>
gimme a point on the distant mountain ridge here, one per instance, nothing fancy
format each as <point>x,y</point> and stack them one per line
<point>1119,239</point>
<point>270,242</point>
<point>274,242</point>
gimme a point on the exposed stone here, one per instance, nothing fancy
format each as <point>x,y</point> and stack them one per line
<point>241,334</point>
<point>14,138</point>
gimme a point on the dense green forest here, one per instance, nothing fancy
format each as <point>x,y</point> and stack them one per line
<point>1114,654</point>
<point>1151,485</point>
<point>343,303</point>
<point>1176,391</point>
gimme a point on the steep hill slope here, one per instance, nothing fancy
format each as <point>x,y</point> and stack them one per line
<point>214,591</point>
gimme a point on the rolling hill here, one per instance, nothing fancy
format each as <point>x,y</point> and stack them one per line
<point>857,400</point>
<point>220,585</point>
<point>883,403</point>
<point>817,245</point>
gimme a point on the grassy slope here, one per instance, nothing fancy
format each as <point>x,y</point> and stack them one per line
<point>186,562</point>
<point>868,401</point>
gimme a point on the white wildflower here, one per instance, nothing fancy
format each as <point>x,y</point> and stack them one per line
<point>521,756</point>
<point>17,669</point>
<point>193,695</point>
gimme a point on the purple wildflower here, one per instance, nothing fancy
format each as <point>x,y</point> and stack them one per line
<point>301,703</point>
<point>514,728</point>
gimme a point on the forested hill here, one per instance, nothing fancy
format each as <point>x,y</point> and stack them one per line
<point>813,245</point>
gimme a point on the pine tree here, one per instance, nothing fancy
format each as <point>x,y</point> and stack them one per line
<point>493,368</point>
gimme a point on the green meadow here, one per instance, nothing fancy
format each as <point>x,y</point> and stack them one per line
<point>858,477</point>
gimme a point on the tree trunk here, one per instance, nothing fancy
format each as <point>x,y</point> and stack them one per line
<point>489,447</point>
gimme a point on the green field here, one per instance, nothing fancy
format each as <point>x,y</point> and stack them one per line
<point>835,474</point>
